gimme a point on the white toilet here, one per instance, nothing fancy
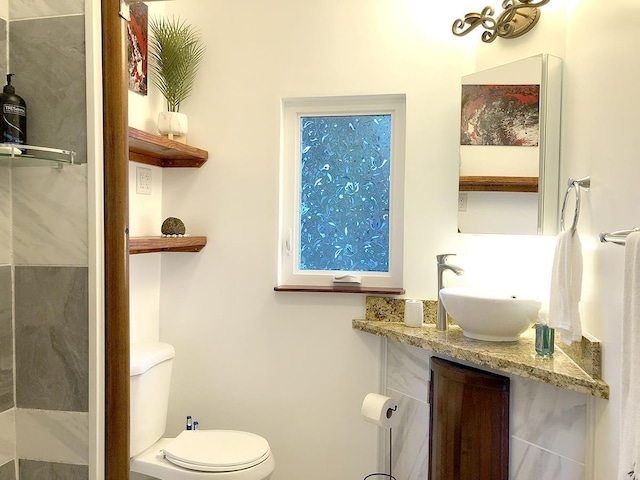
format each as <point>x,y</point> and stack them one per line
<point>193,454</point>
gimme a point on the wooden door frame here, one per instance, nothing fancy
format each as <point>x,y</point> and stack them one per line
<point>116,241</point>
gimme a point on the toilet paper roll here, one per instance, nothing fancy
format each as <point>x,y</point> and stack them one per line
<point>380,410</point>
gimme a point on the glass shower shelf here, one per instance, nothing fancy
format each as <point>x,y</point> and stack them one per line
<point>15,155</point>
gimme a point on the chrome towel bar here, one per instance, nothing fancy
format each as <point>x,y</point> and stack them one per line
<point>619,237</point>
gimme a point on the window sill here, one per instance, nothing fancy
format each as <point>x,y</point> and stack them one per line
<point>340,289</point>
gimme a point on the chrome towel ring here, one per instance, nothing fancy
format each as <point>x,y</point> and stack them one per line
<point>577,185</point>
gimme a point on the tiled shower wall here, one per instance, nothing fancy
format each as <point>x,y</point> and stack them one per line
<point>43,254</point>
<point>548,424</point>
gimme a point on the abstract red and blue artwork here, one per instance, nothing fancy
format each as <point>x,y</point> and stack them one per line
<point>137,58</point>
<point>500,115</point>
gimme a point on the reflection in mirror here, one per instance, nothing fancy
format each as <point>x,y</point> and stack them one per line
<point>510,148</point>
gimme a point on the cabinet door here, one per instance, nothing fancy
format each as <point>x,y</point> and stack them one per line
<point>469,423</point>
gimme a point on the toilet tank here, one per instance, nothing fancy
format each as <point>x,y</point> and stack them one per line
<point>151,364</point>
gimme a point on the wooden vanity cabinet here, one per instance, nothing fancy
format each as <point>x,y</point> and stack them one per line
<point>469,423</point>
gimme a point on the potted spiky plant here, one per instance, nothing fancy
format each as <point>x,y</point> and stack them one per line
<point>176,51</point>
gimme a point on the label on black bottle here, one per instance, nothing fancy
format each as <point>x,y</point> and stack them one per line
<point>14,109</point>
<point>13,123</point>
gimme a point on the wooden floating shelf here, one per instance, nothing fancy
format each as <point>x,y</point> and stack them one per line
<point>166,244</point>
<point>498,184</point>
<point>160,151</point>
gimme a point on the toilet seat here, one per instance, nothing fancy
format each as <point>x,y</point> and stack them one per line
<point>217,450</point>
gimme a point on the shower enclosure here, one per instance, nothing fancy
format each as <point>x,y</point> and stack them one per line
<point>50,356</point>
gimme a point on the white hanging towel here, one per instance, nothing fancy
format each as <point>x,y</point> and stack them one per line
<point>629,466</point>
<point>566,287</point>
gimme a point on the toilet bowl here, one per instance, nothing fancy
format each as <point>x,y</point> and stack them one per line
<point>193,454</point>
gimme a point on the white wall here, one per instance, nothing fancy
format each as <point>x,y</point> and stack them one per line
<point>145,216</point>
<point>599,127</point>
<point>289,366</point>
<point>600,141</point>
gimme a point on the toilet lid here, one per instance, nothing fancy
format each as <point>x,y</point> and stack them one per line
<point>217,450</point>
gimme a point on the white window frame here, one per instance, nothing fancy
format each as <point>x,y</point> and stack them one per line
<point>289,222</point>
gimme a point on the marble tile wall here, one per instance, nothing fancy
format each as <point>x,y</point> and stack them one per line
<point>548,431</point>
<point>47,56</point>
<point>548,424</point>
<point>51,309</point>
<point>36,470</point>
<point>43,234</point>
<point>7,436</point>
<point>8,471</point>
<point>5,215</point>
<point>5,172</point>
<point>21,9</point>
<point>60,437</point>
<point>6,340</point>
<point>408,383</point>
<point>3,48</point>
<point>50,216</point>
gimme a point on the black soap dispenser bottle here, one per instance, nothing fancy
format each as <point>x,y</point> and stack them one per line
<point>14,115</point>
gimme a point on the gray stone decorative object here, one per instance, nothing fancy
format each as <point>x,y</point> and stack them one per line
<point>173,226</point>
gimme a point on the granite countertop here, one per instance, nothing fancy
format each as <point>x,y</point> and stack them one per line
<point>518,358</point>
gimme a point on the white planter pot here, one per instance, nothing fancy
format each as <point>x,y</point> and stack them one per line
<point>173,123</point>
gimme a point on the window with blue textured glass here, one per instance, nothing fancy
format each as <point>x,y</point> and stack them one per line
<point>344,186</point>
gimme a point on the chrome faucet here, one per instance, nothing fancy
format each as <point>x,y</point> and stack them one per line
<point>441,318</point>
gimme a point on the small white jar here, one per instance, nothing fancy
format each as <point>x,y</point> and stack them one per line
<point>413,313</point>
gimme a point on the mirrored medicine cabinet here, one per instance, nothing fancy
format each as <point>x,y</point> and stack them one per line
<point>510,148</point>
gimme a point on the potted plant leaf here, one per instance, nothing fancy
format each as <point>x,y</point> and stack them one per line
<point>176,51</point>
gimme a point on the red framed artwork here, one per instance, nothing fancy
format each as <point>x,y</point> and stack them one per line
<point>137,57</point>
<point>500,115</point>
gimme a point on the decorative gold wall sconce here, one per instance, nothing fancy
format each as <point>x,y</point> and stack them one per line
<point>517,18</point>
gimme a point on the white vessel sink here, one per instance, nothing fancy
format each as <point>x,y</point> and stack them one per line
<point>487,315</point>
